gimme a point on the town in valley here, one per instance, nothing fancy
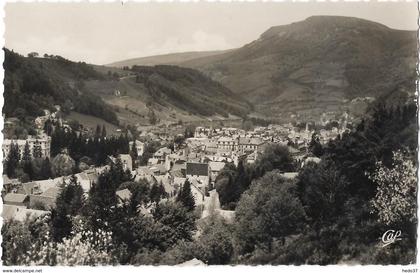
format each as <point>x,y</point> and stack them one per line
<point>157,135</point>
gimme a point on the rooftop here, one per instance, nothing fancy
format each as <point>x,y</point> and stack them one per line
<point>20,213</point>
<point>200,169</point>
<point>15,197</point>
<point>216,166</point>
<point>250,141</point>
<point>124,194</point>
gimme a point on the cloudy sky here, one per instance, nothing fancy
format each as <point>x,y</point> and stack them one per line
<point>102,33</point>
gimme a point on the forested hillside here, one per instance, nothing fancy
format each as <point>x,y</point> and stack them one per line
<point>190,90</point>
<point>32,84</point>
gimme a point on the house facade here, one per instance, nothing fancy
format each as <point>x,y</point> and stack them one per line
<point>42,145</point>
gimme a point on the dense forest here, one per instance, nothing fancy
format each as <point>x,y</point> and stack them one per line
<point>32,84</point>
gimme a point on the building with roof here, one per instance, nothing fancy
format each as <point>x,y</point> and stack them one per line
<point>289,175</point>
<point>20,213</point>
<point>84,181</point>
<point>152,161</point>
<point>124,196</point>
<point>252,144</point>
<point>198,191</point>
<point>127,161</point>
<point>40,144</point>
<point>193,262</point>
<point>46,202</point>
<point>139,147</point>
<point>158,169</point>
<point>215,168</point>
<point>226,143</point>
<point>10,184</point>
<point>40,186</point>
<point>143,173</point>
<point>17,199</point>
<point>161,153</point>
<point>168,184</point>
<point>198,171</point>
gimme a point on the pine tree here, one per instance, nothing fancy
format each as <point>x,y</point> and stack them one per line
<point>48,129</point>
<point>28,168</point>
<point>133,153</point>
<point>45,172</point>
<point>117,174</point>
<point>154,193</point>
<point>101,207</point>
<point>98,132</point>
<point>162,191</point>
<point>77,200</point>
<point>315,146</point>
<point>27,162</point>
<point>12,160</point>
<point>69,203</point>
<point>185,196</point>
<point>103,131</point>
<point>26,152</point>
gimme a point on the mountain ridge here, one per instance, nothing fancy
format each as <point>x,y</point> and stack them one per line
<point>168,59</point>
<point>317,65</point>
<point>320,64</point>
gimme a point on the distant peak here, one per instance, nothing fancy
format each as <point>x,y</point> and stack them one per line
<point>341,19</point>
<point>322,23</point>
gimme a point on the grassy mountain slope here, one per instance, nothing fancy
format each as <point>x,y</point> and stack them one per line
<point>172,93</point>
<point>320,64</point>
<point>166,59</point>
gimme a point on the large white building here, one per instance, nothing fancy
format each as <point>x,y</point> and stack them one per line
<point>246,144</point>
<point>139,146</point>
<point>226,143</point>
<point>42,144</point>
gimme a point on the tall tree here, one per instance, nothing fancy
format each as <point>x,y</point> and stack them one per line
<point>268,211</point>
<point>395,199</point>
<point>154,193</point>
<point>178,223</point>
<point>103,135</point>
<point>26,156</point>
<point>12,160</point>
<point>98,131</point>
<point>276,156</point>
<point>101,207</point>
<point>133,153</point>
<point>45,172</point>
<point>69,204</point>
<point>315,146</point>
<point>27,161</point>
<point>185,196</point>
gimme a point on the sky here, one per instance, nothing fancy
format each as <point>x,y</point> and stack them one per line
<point>101,33</point>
